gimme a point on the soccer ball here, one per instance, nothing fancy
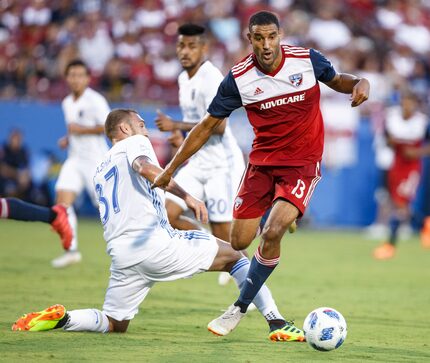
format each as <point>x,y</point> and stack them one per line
<point>325,329</point>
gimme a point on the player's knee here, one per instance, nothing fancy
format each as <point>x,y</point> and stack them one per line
<point>239,243</point>
<point>116,326</point>
<point>272,233</point>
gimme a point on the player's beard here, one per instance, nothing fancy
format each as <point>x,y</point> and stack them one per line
<point>191,67</point>
<point>267,64</point>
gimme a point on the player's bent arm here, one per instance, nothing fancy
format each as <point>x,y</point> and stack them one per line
<point>193,142</point>
<point>188,126</point>
<point>166,123</point>
<point>149,171</point>
<point>77,129</point>
<point>347,83</point>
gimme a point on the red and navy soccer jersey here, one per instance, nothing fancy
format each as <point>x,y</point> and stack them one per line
<point>282,106</point>
<point>404,175</point>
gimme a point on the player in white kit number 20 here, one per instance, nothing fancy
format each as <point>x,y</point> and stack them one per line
<point>213,174</point>
<point>143,246</point>
<point>85,112</point>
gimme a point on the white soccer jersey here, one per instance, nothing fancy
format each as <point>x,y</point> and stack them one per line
<point>195,95</point>
<point>90,110</point>
<point>408,131</point>
<point>133,215</point>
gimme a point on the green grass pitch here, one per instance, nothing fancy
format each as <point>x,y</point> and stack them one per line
<point>386,304</point>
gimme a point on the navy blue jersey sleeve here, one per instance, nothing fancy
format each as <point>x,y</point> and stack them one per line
<point>227,98</point>
<point>323,69</point>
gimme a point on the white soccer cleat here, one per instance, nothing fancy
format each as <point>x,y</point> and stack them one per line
<point>224,278</point>
<point>67,259</point>
<point>226,322</point>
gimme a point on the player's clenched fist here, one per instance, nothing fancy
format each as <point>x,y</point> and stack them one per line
<point>360,92</point>
<point>162,180</point>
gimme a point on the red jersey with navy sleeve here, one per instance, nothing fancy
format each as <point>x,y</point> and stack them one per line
<point>404,175</point>
<point>282,106</point>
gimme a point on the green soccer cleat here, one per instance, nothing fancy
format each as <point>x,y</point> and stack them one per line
<point>288,333</point>
<point>47,319</point>
<point>293,227</point>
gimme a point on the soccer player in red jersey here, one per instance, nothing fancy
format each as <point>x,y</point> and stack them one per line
<point>406,128</point>
<point>279,89</point>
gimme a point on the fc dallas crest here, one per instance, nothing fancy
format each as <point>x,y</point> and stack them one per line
<point>296,79</point>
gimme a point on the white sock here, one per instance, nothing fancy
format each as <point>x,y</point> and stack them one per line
<point>263,300</point>
<point>74,224</point>
<point>87,320</point>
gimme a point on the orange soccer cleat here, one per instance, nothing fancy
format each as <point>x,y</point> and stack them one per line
<point>384,251</point>
<point>62,226</point>
<point>425,234</point>
<point>43,320</point>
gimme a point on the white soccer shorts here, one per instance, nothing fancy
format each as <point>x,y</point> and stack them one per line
<point>186,256</point>
<point>77,175</point>
<point>217,188</point>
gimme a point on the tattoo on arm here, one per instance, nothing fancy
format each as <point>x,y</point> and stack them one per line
<point>148,170</point>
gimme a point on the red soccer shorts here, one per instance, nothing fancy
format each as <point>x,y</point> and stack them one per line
<point>403,183</point>
<point>262,185</point>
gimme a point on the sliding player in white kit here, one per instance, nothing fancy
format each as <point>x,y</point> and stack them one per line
<point>143,246</point>
<point>85,112</point>
<point>213,174</point>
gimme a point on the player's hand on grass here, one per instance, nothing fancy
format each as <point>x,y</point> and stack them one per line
<point>198,207</point>
<point>360,92</point>
<point>164,122</point>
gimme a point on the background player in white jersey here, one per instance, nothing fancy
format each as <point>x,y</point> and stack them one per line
<point>85,112</point>
<point>213,174</point>
<point>143,246</point>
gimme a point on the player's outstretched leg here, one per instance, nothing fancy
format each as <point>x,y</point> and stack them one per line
<point>16,209</point>
<point>48,319</point>
<point>56,317</point>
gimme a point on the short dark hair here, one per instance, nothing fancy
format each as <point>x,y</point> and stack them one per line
<point>114,118</point>
<point>76,63</point>
<point>263,18</point>
<point>191,29</point>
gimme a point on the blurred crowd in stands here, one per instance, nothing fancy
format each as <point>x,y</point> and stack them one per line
<point>130,44</point>
<point>25,176</point>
